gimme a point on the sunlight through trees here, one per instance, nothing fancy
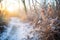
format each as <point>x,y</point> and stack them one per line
<point>30,19</point>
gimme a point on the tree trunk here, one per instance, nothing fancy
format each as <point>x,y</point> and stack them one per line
<point>24,5</point>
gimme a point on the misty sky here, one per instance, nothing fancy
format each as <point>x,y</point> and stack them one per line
<point>19,2</point>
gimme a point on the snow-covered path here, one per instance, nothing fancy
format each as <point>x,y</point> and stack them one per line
<point>17,30</point>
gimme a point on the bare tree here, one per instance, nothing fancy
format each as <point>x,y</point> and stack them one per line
<point>24,5</point>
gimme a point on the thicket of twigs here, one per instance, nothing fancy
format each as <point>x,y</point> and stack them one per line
<point>47,20</point>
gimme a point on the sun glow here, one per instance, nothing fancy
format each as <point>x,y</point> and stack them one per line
<point>10,8</point>
<point>10,5</point>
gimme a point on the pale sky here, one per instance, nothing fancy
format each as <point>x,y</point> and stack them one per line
<point>16,3</point>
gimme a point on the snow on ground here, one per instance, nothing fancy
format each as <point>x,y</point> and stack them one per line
<point>18,30</point>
